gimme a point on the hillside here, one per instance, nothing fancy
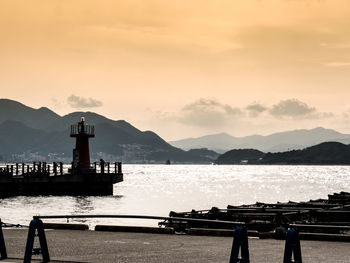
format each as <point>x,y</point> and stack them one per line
<point>324,153</point>
<point>241,155</point>
<point>330,153</point>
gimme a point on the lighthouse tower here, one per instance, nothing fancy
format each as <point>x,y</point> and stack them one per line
<point>81,153</point>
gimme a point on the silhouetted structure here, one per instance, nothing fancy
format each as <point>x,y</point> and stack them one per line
<point>41,178</point>
<point>81,153</point>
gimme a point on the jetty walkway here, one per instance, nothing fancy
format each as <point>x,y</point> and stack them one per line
<point>95,246</point>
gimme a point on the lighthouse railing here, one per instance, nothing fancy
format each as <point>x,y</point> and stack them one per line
<point>76,129</point>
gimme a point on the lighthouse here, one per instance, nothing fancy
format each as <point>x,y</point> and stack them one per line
<point>81,153</point>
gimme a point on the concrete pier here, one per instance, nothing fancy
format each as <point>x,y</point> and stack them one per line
<point>93,246</point>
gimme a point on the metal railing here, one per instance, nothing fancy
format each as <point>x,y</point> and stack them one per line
<point>43,169</point>
<point>76,129</point>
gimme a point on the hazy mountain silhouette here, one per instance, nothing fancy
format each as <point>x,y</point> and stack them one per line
<point>45,133</point>
<point>277,142</point>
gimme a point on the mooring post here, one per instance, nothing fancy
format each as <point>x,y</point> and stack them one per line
<point>36,225</point>
<point>240,242</point>
<point>292,247</point>
<point>3,253</point>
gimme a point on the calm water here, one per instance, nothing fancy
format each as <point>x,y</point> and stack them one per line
<point>158,189</point>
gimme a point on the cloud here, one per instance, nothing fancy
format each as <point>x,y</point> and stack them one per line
<point>293,108</point>
<point>208,112</point>
<point>81,102</point>
<point>255,109</point>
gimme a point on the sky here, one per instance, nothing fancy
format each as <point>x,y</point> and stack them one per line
<point>182,68</point>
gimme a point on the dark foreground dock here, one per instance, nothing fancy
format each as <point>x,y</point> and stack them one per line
<point>94,246</point>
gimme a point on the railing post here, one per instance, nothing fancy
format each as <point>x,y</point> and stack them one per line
<point>55,168</point>
<point>119,167</point>
<point>61,168</point>
<point>3,253</point>
<point>36,225</point>
<point>240,241</point>
<point>292,247</point>
<point>102,164</point>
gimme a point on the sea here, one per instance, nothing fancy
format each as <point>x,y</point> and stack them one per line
<point>158,189</point>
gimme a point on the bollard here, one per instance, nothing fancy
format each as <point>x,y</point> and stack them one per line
<point>292,247</point>
<point>240,241</point>
<point>3,253</point>
<point>36,225</point>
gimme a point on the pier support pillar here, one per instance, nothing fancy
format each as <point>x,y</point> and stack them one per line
<point>3,253</point>
<point>36,225</point>
<point>292,247</point>
<point>240,242</point>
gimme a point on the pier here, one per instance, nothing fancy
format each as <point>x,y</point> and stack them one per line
<point>81,178</point>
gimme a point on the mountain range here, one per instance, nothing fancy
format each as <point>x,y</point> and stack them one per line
<point>28,134</point>
<point>277,142</point>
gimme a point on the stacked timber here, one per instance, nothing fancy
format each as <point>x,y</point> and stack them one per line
<point>330,215</point>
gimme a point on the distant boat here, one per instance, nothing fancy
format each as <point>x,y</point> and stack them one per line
<point>167,162</point>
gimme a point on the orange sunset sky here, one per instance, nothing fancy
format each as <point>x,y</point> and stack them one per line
<point>182,68</point>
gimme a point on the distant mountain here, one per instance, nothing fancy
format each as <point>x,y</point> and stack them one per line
<point>28,134</point>
<point>277,142</point>
<point>40,119</point>
<point>204,152</point>
<point>220,142</point>
<point>327,153</point>
<point>324,153</point>
<point>239,156</point>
